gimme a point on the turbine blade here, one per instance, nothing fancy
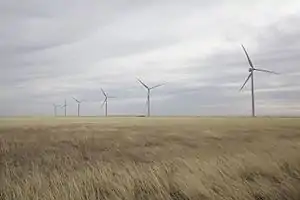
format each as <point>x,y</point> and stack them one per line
<point>143,83</point>
<point>103,92</point>
<point>64,105</point>
<point>246,81</point>
<point>156,86</point>
<point>267,71</point>
<point>75,99</point>
<point>249,60</point>
<point>103,103</point>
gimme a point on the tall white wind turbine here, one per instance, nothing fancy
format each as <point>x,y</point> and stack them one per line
<point>105,102</point>
<point>78,105</point>
<point>149,93</point>
<point>252,69</point>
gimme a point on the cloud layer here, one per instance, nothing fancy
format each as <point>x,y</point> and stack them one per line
<point>51,51</point>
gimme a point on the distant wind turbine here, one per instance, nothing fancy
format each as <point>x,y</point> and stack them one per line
<point>78,105</point>
<point>251,75</point>
<point>148,93</point>
<point>55,109</point>
<point>65,106</point>
<point>106,97</point>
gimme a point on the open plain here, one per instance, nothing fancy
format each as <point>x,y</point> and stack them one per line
<point>149,158</point>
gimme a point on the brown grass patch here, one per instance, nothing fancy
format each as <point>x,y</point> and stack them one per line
<point>157,158</point>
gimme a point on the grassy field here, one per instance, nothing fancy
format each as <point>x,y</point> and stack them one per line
<point>155,158</point>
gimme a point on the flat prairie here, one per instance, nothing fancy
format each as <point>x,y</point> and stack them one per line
<point>159,158</point>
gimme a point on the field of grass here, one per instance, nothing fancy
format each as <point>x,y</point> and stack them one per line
<point>149,159</point>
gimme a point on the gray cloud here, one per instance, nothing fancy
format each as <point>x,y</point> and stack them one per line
<point>54,50</point>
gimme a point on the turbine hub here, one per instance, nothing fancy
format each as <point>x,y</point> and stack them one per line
<point>251,70</point>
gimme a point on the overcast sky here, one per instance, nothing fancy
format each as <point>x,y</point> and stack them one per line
<point>52,50</point>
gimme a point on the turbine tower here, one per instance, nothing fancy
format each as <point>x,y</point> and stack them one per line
<point>148,93</point>
<point>251,75</point>
<point>106,97</point>
<point>55,109</point>
<point>78,105</point>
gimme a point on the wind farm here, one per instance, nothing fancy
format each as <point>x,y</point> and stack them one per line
<point>252,69</point>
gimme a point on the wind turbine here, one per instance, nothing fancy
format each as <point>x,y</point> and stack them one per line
<point>251,75</point>
<point>55,109</point>
<point>78,105</point>
<point>148,93</point>
<point>105,100</point>
<point>65,106</point>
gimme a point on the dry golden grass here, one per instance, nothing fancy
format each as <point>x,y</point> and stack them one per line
<point>156,158</point>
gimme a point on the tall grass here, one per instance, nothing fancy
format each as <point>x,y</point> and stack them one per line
<point>159,158</point>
